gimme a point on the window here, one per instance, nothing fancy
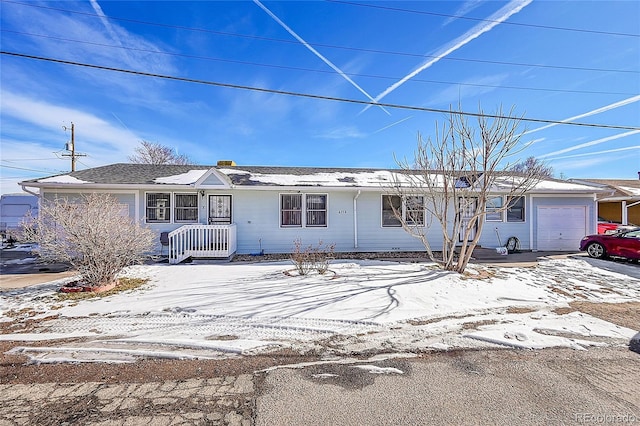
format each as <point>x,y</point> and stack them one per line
<point>390,205</point>
<point>294,208</point>
<point>291,210</point>
<point>316,210</point>
<point>158,207</point>
<point>414,210</point>
<point>186,209</point>
<point>410,208</point>
<point>492,209</point>
<point>515,210</point>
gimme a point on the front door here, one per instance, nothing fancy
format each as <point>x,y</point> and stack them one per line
<point>219,209</point>
<point>467,208</point>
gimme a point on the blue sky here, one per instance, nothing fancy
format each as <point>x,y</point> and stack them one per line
<point>551,60</point>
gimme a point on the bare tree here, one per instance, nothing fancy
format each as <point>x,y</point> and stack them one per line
<point>453,176</point>
<point>92,233</point>
<point>155,153</point>
<point>532,163</point>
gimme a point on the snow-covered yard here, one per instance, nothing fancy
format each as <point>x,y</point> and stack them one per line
<point>210,310</point>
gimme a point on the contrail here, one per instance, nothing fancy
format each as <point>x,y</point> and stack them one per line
<point>596,142</point>
<point>318,54</point>
<point>587,114</point>
<point>107,25</point>
<point>392,124</point>
<point>628,148</point>
<point>496,19</point>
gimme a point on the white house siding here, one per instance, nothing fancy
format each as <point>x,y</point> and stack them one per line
<point>124,198</point>
<point>521,230</point>
<point>257,217</point>
<point>373,237</point>
<point>563,201</point>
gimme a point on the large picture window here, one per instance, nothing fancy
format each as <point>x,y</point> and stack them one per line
<point>515,209</point>
<point>158,208</point>
<point>186,209</point>
<point>410,208</point>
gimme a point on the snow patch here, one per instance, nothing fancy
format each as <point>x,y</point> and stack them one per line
<point>190,177</point>
<point>62,179</point>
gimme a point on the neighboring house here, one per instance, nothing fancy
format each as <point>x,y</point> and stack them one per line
<point>619,200</point>
<point>215,211</point>
<point>13,209</point>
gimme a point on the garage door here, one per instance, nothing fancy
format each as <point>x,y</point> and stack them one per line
<point>561,227</point>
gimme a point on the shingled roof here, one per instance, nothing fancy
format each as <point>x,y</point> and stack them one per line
<point>123,173</point>
<point>622,188</point>
<point>141,175</point>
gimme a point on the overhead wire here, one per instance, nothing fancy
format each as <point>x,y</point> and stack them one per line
<point>330,46</point>
<point>312,96</point>
<point>208,58</point>
<point>520,24</point>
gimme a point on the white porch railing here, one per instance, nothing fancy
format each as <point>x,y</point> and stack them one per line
<point>202,241</point>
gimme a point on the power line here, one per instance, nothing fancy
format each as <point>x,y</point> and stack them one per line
<point>330,46</point>
<point>520,24</point>
<point>312,96</point>
<point>208,58</point>
<point>30,170</point>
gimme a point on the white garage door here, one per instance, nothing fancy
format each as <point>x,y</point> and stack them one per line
<point>561,227</point>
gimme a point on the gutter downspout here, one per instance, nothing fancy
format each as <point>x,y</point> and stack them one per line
<point>355,220</point>
<point>29,192</point>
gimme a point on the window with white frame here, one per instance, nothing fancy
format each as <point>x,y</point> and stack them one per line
<point>298,210</point>
<point>414,210</point>
<point>186,208</point>
<point>316,206</point>
<point>515,209</point>
<point>158,207</point>
<point>492,209</point>
<point>410,208</point>
<point>390,205</point>
<point>291,210</point>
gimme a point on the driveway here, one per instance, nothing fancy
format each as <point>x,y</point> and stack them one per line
<point>598,386</point>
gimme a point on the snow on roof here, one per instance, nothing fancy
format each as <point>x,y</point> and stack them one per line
<point>374,178</point>
<point>190,177</point>
<point>546,185</point>
<point>555,185</point>
<point>635,192</point>
<point>359,178</point>
<point>62,179</point>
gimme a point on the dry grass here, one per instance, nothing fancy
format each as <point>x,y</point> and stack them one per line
<point>124,284</point>
<point>475,324</point>
<point>623,314</point>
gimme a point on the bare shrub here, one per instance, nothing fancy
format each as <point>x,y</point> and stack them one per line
<point>310,258</point>
<point>91,233</point>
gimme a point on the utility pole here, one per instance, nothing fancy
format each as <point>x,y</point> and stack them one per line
<point>71,146</point>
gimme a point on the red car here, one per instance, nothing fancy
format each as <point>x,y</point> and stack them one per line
<point>607,227</point>
<point>621,244</point>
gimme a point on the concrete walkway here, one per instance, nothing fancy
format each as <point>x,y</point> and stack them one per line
<point>219,401</point>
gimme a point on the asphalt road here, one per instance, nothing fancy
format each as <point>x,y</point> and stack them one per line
<point>504,387</point>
